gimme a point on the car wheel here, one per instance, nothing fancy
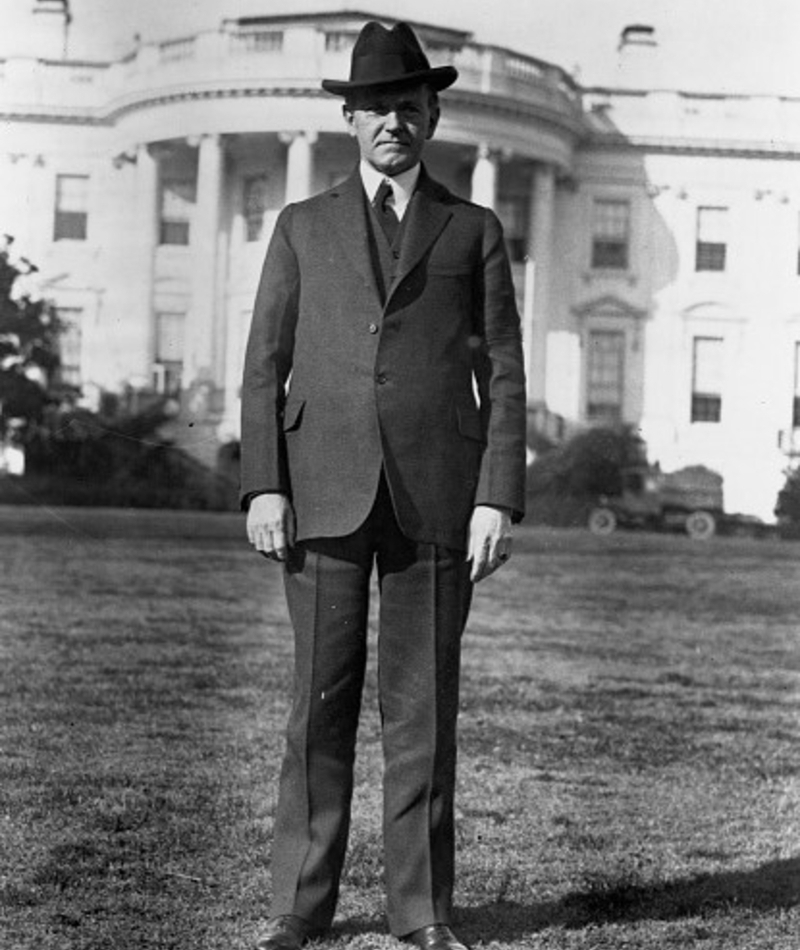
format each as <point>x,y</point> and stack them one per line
<point>701,525</point>
<point>602,521</point>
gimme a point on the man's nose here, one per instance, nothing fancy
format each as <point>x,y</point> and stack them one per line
<point>393,120</point>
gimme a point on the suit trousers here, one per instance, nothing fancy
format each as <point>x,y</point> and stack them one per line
<point>425,595</point>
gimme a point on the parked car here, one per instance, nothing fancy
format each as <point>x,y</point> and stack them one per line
<point>688,500</point>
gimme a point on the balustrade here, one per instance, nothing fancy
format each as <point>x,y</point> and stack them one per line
<point>289,51</point>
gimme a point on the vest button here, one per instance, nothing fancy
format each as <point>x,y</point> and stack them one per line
<point>380,379</point>
<point>373,328</point>
<point>396,255</point>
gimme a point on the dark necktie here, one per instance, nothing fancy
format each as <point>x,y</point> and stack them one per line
<point>386,213</point>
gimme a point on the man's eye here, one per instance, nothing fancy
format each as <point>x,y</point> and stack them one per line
<point>381,109</point>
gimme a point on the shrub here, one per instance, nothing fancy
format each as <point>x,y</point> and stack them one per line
<point>787,508</point>
<point>29,360</point>
<point>564,483</point>
<point>80,458</point>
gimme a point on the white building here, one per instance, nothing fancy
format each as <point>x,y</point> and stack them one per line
<point>663,227</point>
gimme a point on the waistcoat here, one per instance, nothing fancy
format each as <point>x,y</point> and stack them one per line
<point>385,257</point>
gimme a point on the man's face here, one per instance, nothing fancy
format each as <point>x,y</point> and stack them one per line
<point>392,125</point>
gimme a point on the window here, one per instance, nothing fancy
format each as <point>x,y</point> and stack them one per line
<point>72,196</point>
<point>605,376</point>
<point>610,234</point>
<point>177,205</point>
<point>70,345</point>
<point>170,330</point>
<point>711,247</point>
<point>339,41</point>
<point>707,379</point>
<point>796,399</point>
<point>255,204</point>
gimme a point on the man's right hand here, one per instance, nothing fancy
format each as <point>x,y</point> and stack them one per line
<point>270,525</point>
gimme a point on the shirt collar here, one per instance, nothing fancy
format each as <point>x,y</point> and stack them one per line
<point>403,185</point>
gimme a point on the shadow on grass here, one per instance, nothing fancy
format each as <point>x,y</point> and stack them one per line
<point>771,886</point>
<point>175,908</point>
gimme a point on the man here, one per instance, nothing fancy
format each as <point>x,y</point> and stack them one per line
<point>384,305</point>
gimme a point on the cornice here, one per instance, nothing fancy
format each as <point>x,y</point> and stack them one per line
<point>707,148</point>
<point>150,100</point>
<point>53,118</point>
<point>608,305</point>
<point>572,122</point>
<point>565,122</point>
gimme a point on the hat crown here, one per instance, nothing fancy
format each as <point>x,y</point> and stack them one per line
<point>393,56</point>
<point>397,48</point>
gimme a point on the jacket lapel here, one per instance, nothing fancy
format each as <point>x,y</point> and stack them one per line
<point>427,217</point>
<point>348,215</point>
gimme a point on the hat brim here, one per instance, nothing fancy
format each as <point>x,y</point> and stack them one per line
<point>438,78</point>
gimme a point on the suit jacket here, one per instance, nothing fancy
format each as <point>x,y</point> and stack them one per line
<point>425,382</point>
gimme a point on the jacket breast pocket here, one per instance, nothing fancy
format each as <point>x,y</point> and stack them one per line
<point>293,414</point>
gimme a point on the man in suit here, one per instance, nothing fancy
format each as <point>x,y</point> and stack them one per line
<point>383,426</point>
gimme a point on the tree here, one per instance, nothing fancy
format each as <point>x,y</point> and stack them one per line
<point>29,330</point>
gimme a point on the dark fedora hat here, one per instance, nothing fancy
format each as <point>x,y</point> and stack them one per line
<point>393,57</point>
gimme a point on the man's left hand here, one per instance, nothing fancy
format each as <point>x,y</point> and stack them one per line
<point>490,540</point>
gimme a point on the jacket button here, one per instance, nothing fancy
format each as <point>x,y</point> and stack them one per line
<point>380,378</point>
<point>373,328</point>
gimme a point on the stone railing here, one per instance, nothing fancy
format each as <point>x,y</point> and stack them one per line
<point>765,124</point>
<point>53,86</point>
<point>279,55</point>
<point>268,55</point>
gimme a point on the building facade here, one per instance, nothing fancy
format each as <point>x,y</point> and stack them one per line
<point>655,235</point>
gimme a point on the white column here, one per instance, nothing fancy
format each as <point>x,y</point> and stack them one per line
<point>143,250</point>
<point>200,329</point>
<point>299,164</point>
<point>236,330</point>
<point>537,310</point>
<point>484,177</point>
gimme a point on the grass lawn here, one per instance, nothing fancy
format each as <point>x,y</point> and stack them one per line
<point>630,750</point>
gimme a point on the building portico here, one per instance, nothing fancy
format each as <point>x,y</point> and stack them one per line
<point>231,186</point>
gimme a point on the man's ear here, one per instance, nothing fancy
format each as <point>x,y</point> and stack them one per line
<point>434,119</point>
<point>347,112</point>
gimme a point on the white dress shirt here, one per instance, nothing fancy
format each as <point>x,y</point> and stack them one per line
<point>403,186</point>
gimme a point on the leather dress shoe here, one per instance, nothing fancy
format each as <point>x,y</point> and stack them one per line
<point>435,937</point>
<point>286,932</point>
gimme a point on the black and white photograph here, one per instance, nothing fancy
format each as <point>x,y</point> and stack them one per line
<point>399,475</point>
